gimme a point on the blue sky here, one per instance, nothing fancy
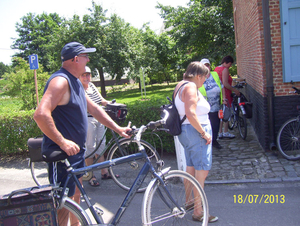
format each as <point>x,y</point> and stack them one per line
<point>135,12</point>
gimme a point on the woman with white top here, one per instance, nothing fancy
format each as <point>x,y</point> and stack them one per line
<point>196,136</point>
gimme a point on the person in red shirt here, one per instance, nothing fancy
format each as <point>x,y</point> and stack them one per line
<point>223,72</point>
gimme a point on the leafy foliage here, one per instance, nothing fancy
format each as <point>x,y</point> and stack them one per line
<point>21,83</point>
<point>4,69</point>
<point>35,34</point>
<point>203,29</point>
<point>15,129</point>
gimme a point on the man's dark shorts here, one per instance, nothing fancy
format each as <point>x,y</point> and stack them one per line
<point>77,161</point>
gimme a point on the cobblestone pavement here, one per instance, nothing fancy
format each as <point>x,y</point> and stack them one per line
<point>242,161</point>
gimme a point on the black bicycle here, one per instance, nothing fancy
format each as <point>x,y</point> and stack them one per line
<point>239,114</point>
<point>170,198</point>
<point>288,137</point>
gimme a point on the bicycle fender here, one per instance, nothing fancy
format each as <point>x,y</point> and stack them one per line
<point>82,211</point>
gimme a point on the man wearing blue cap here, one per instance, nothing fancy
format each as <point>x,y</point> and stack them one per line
<point>62,116</point>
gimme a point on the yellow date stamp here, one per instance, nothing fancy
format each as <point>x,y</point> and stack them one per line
<point>258,199</point>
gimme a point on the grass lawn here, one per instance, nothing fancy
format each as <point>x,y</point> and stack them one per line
<point>133,93</point>
<point>123,94</point>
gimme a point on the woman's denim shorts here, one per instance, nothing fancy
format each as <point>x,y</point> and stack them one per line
<point>197,153</point>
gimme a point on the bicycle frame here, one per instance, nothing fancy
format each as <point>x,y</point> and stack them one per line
<point>147,167</point>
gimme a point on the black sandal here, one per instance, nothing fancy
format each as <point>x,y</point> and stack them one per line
<point>107,176</point>
<point>94,182</point>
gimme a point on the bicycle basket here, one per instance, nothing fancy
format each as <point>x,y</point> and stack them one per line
<point>116,111</point>
<point>35,204</point>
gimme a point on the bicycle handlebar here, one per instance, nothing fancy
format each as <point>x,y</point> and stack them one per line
<point>151,125</point>
<point>240,85</point>
<point>296,90</point>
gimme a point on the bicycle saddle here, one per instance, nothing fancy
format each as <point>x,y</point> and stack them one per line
<point>54,155</point>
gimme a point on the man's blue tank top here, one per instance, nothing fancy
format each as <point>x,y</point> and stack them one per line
<point>70,119</point>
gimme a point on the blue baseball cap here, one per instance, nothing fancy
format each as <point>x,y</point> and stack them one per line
<point>73,49</point>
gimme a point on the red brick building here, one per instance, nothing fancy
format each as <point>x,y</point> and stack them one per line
<point>267,35</point>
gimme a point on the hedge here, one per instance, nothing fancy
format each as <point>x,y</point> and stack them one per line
<point>17,127</point>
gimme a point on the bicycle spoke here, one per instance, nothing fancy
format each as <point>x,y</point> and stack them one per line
<point>289,140</point>
<point>127,170</point>
<point>158,209</point>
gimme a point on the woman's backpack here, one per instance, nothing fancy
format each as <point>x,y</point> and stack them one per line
<point>173,122</point>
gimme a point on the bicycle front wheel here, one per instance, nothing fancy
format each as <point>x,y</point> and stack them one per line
<point>242,125</point>
<point>39,172</point>
<point>158,209</point>
<point>288,139</point>
<point>128,172</point>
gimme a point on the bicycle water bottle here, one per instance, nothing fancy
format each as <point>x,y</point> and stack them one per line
<point>220,114</point>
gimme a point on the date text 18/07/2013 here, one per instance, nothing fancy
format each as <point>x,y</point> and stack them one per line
<point>258,199</point>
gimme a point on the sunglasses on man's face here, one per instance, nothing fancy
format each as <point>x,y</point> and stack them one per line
<point>86,75</point>
<point>83,55</point>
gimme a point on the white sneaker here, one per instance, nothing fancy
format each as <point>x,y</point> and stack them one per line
<point>220,135</point>
<point>228,135</point>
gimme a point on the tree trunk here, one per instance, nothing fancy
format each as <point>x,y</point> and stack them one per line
<point>102,82</point>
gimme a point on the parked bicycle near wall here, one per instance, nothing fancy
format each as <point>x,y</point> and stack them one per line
<point>115,147</point>
<point>241,109</point>
<point>170,198</point>
<point>288,137</point>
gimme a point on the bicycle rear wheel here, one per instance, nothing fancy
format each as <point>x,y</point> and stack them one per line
<point>288,139</point>
<point>232,119</point>
<point>128,171</point>
<point>39,172</point>
<point>242,125</point>
<point>157,209</point>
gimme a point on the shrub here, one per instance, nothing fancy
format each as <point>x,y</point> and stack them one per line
<point>15,129</point>
<point>21,84</point>
<point>142,112</point>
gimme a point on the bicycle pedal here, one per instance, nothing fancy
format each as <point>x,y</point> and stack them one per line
<point>99,211</point>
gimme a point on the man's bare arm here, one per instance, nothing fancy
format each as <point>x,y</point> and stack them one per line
<point>57,93</point>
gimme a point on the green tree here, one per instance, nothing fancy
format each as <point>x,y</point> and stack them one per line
<point>21,83</point>
<point>3,69</point>
<point>117,53</point>
<point>202,29</point>
<point>158,56</point>
<point>35,33</point>
<point>95,25</point>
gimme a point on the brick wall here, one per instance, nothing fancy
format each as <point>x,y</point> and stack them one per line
<point>249,34</point>
<point>249,43</point>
